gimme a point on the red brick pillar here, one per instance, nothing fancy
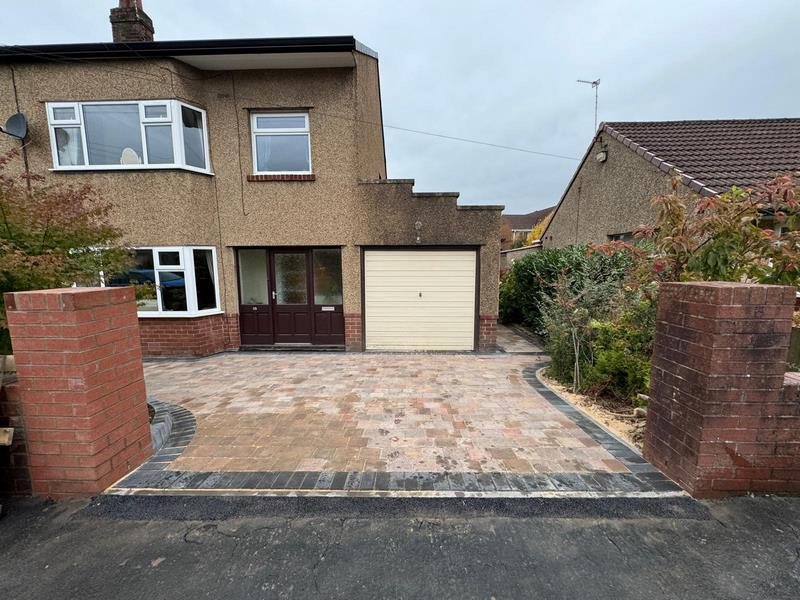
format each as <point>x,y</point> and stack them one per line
<point>81,387</point>
<point>717,382</point>
<point>487,333</point>
<point>353,341</point>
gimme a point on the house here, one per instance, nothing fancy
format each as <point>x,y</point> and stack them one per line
<point>627,164</point>
<point>250,176</point>
<point>520,226</point>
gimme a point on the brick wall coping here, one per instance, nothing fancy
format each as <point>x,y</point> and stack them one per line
<point>68,298</point>
<point>727,285</point>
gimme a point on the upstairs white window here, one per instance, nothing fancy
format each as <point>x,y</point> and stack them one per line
<point>173,281</point>
<point>281,144</point>
<point>152,134</point>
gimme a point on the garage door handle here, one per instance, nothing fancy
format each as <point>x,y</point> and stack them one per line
<point>420,294</point>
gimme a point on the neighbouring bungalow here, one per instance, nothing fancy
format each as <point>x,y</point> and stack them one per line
<point>627,164</point>
<point>516,228</point>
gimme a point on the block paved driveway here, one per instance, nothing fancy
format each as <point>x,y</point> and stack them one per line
<point>352,423</point>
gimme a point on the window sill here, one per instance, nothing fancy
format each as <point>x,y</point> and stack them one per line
<point>283,177</point>
<point>134,168</point>
<point>147,314</point>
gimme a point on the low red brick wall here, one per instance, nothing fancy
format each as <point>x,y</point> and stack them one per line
<point>198,336</point>
<point>81,387</point>
<point>721,419</point>
<point>487,333</point>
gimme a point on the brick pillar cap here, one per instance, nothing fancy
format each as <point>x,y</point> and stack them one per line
<point>68,298</point>
<point>722,284</point>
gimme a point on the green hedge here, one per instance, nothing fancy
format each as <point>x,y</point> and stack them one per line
<point>531,281</point>
<point>568,294</point>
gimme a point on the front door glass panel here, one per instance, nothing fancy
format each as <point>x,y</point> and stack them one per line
<point>327,276</point>
<point>253,275</point>
<point>291,279</point>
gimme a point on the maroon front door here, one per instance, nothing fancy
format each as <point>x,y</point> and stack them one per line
<point>290,296</point>
<point>291,304</point>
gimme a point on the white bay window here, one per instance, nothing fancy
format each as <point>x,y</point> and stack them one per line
<point>151,134</point>
<point>173,281</point>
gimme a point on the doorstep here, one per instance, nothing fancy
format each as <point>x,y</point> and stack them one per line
<point>293,348</point>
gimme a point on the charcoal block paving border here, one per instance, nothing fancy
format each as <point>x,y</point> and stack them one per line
<point>182,427</point>
<point>161,425</point>
<point>644,479</point>
<point>626,454</point>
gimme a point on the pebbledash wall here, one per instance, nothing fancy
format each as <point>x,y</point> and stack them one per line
<point>348,203</point>
<point>724,415</point>
<point>606,198</point>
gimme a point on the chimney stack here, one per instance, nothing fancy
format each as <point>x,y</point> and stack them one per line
<point>129,22</point>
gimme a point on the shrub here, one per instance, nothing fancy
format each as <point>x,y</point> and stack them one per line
<point>532,280</point>
<point>728,237</point>
<point>599,336</point>
<point>622,346</point>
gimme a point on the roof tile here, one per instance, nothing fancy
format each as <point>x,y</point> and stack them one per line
<point>717,154</point>
<point>524,222</point>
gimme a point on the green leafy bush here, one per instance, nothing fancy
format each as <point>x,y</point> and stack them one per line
<point>597,307</point>
<point>599,331</point>
<point>568,314</point>
<point>622,347</point>
<point>532,280</point>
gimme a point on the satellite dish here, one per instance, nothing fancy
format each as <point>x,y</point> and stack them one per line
<point>16,126</point>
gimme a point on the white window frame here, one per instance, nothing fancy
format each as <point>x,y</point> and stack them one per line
<point>186,254</point>
<point>65,122</point>
<point>255,131</point>
<point>173,118</point>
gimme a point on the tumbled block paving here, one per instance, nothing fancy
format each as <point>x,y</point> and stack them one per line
<point>386,422</point>
<point>516,340</point>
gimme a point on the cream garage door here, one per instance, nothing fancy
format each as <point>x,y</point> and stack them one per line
<point>419,299</point>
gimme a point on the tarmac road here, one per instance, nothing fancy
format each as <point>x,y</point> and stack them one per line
<point>137,547</point>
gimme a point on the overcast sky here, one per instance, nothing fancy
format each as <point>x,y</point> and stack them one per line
<point>503,72</point>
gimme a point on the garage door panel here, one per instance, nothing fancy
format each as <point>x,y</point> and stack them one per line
<point>428,297</point>
<point>399,318</point>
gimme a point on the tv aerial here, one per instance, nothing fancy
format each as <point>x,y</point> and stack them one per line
<point>16,126</point>
<point>596,85</point>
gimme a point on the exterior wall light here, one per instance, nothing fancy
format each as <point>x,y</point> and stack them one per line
<point>601,156</point>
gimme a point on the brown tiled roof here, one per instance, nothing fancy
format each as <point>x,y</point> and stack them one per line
<point>715,155</point>
<point>525,222</point>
